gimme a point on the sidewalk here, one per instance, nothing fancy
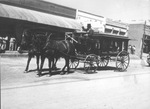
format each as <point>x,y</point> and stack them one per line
<point>134,57</point>
<point>13,54</point>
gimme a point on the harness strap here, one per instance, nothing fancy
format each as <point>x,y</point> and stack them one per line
<point>62,52</point>
<point>68,47</point>
<point>72,38</point>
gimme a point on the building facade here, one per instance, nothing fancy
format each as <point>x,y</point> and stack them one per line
<point>101,24</point>
<point>18,15</point>
<point>139,33</point>
<point>116,27</point>
<point>97,22</point>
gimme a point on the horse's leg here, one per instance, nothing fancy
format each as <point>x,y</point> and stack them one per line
<point>37,62</point>
<point>62,71</point>
<point>28,62</point>
<point>50,68</point>
<point>42,63</point>
<point>67,64</point>
<point>54,63</point>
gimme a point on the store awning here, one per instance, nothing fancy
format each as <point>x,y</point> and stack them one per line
<point>12,12</point>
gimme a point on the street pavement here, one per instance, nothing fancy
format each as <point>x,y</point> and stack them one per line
<point>105,89</point>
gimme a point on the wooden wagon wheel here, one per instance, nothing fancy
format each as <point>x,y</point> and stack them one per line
<point>122,61</point>
<point>73,63</point>
<point>91,63</point>
<point>103,61</point>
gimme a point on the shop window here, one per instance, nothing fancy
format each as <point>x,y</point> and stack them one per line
<point>115,32</point>
<point>108,30</point>
<point>122,33</point>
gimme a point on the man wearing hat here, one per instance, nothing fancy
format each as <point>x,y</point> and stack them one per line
<point>89,35</point>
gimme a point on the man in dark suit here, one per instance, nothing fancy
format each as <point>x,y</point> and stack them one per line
<point>88,36</point>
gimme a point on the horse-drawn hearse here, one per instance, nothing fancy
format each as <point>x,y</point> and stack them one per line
<point>94,52</point>
<point>99,50</point>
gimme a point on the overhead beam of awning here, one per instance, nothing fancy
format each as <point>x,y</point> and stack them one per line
<point>12,12</point>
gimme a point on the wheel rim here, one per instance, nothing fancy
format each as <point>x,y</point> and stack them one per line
<point>91,63</point>
<point>90,67</point>
<point>122,61</point>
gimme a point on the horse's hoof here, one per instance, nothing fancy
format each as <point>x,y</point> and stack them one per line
<point>48,75</point>
<point>85,73</point>
<point>62,73</point>
<point>39,75</point>
<point>25,71</point>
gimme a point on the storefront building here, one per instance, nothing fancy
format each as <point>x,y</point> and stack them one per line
<point>101,24</point>
<point>116,27</point>
<point>18,15</point>
<point>97,22</point>
<point>139,32</point>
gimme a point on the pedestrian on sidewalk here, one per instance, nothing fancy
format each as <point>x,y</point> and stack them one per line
<point>12,44</point>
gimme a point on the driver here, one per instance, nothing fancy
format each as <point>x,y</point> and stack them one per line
<point>89,35</point>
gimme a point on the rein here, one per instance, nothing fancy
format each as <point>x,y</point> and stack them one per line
<point>72,38</point>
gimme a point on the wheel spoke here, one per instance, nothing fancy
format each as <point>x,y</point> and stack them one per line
<point>103,62</point>
<point>126,62</point>
<point>73,64</point>
<point>126,58</point>
<point>91,62</point>
<point>125,66</point>
<point>122,66</point>
<point>118,65</point>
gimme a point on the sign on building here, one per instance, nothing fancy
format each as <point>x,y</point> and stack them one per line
<point>97,22</point>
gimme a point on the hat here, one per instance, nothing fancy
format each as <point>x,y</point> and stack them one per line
<point>88,25</point>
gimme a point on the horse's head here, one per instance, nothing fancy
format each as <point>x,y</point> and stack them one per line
<point>26,39</point>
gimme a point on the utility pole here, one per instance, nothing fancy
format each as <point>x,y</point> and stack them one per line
<point>143,39</point>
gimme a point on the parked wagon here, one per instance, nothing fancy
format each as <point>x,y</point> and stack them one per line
<point>99,50</point>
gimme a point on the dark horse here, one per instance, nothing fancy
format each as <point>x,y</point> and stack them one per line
<point>56,49</point>
<point>34,43</point>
